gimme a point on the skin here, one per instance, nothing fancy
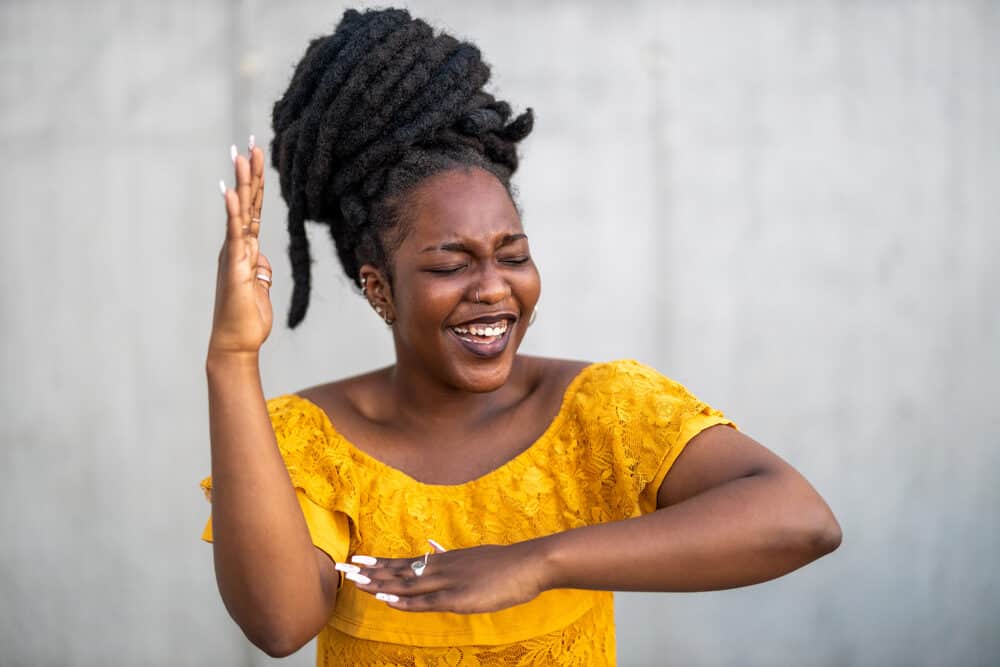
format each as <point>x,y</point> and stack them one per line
<point>730,512</point>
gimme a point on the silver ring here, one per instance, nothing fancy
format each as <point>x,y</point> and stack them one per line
<point>418,566</point>
<point>263,276</point>
<point>254,219</point>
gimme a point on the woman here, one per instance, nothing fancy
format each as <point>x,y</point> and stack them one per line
<point>501,496</point>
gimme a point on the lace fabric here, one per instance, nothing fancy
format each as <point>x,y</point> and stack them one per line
<point>619,429</point>
<point>588,642</point>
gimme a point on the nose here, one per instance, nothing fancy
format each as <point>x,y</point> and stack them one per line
<point>491,287</point>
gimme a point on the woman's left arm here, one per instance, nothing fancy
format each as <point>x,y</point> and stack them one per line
<point>731,513</point>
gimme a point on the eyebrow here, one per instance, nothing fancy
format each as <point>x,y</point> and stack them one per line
<point>458,246</point>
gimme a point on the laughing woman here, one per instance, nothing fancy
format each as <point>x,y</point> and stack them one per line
<point>480,505</point>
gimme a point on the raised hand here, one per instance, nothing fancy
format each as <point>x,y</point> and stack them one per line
<point>243,316</point>
<point>479,579</point>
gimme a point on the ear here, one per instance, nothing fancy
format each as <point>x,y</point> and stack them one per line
<point>377,291</point>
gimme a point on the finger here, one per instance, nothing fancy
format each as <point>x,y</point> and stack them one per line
<point>434,601</point>
<point>234,225</point>
<point>243,187</point>
<point>263,275</point>
<point>258,198</point>
<point>390,563</point>
<point>256,158</point>
<point>401,586</point>
<point>253,249</point>
<point>263,262</point>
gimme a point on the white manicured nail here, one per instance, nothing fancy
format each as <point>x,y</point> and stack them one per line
<point>436,545</point>
<point>357,578</point>
<point>251,144</point>
<point>387,597</point>
<point>233,152</point>
<point>222,188</point>
<point>346,567</point>
<point>364,560</point>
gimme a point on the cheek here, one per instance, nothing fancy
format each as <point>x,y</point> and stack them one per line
<point>530,286</point>
<point>428,304</point>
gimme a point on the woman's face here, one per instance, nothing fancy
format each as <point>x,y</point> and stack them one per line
<point>464,282</point>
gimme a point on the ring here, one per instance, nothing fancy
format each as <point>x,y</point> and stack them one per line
<point>266,278</point>
<point>254,219</point>
<point>418,566</point>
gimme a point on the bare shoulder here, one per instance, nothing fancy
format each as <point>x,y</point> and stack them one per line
<point>548,376</point>
<point>347,397</point>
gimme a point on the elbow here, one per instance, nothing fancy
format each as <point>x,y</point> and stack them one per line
<point>829,535</point>
<point>819,531</point>
<point>277,635</point>
<point>275,643</point>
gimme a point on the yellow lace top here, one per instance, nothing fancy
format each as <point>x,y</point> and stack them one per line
<point>619,429</point>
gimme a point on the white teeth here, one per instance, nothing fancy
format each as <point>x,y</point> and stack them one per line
<point>478,330</point>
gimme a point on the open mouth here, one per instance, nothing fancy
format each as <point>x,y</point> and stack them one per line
<point>484,339</point>
<point>482,334</point>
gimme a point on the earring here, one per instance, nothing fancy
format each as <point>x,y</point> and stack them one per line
<point>384,315</point>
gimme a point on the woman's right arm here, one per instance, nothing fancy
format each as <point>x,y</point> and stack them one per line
<point>277,586</point>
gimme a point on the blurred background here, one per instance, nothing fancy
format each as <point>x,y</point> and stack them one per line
<point>792,207</point>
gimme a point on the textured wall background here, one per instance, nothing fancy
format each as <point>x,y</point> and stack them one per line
<point>791,208</point>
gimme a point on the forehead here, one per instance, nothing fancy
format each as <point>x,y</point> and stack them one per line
<point>461,204</point>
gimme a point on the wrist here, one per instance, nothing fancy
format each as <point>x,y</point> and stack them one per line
<point>228,361</point>
<point>545,552</point>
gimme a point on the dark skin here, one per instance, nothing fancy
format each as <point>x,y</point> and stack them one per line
<point>731,513</point>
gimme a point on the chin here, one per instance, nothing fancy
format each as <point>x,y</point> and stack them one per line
<point>481,367</point>
<point>482,376</point>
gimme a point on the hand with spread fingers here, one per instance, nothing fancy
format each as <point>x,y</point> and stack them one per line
<point>465,581</point>
<point>243,316</point>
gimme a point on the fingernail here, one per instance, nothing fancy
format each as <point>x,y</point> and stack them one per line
<point>436,545</point>
<point>364,560</point>
<point>251,144</point>
<point>357,578</point>
<point>387,597</point>
<point>346,567</point>
<point>222,188</point>
<point>233,152</point>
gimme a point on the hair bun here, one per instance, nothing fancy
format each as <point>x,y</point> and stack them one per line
<point>380,92</point>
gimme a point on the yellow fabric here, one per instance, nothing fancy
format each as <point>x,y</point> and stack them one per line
<point>329,531</point>
<point>620,428</point>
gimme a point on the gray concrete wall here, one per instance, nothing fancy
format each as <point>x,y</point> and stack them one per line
<point>791,207</point>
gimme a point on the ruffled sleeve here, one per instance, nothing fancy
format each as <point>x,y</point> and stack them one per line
<point>638,423</point>
<point>304,439</point>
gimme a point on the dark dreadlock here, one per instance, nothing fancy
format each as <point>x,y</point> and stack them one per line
<point>372,110</point>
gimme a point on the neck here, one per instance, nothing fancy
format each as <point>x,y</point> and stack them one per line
<point>421,401</point>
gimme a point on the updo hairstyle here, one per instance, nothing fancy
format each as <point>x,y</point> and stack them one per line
<point>372,110</point>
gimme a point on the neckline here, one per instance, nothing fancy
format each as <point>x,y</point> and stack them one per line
<point>515,461</point>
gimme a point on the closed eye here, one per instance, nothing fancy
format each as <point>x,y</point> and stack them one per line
<point>445,270</point>
<point>515,260</point>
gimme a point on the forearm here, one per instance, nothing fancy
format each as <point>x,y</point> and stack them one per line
<point>743,532</point>
<point>265,563</point>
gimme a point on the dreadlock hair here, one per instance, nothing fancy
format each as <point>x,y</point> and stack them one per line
<point>372,110</point>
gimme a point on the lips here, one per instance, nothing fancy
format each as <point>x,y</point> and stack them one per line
<point>484,337</point>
